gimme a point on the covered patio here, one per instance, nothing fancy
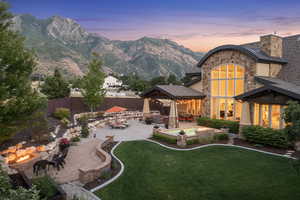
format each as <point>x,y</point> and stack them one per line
<point>264,106</point>
<point>183,102</point>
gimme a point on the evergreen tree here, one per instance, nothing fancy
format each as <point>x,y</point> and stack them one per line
<point>17,99</point>
<point>91,85</point>
<point>173,80</point>
<point>55,86</point>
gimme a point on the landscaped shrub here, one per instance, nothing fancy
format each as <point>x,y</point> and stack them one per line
<point>220,137</point>
<point>193,141</point>
<point>265,136</point>
<point>165,139</point>
<point>75,139</point>
<point>65,122</point>
<point>219,123</point>
<point>85,131</point>
<point>46,186</point>
<point>61,113</point>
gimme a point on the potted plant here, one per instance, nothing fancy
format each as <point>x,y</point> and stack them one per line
<point>148,121</point>
<point>181,132</point>
<point>63,144</point>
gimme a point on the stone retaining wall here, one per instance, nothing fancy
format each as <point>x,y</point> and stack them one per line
<point>88,175</point>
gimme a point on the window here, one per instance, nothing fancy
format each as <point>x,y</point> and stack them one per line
<point>276,118</point>
<point>227,81</point>
<point>268,115</point>
<point>265,115</point>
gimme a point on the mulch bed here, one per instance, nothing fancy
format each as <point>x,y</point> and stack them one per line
<point>270,149</point>
<point>187,146</point>
<point>238,142</point>
<point>116,167</point>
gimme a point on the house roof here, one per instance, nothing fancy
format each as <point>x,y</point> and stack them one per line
<point>273,84</point>
<point>193,72</point>
<point>192,82</point>
<point>173,92</point>
<point>255,53</point>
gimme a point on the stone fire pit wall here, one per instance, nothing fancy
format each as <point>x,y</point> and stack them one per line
<point>89,175</point>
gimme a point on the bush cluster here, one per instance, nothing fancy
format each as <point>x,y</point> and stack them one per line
<point>165,139</point>
<point>46,186</point>
<point>62,113</point>
<point>219,123</point>
<point>220,137</point>
<point>265,136</point>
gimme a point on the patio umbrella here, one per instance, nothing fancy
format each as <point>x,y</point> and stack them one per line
<point>116,109</point>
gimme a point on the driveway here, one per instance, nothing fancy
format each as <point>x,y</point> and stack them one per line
<point>136,131</point>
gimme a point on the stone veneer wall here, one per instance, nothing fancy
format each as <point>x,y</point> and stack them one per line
<point>88,175</point>
<point>226,57</point>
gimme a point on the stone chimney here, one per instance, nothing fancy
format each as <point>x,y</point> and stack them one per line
<point>271,45</point>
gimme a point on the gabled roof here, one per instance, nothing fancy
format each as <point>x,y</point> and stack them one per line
<point>273,84</point>
<point>174,92</point>
<point>255,53</point>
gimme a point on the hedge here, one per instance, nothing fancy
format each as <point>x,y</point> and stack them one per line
<point>61,113</point>
<point>219,123</point>
<point>265,136</point>
<point>165,139</point>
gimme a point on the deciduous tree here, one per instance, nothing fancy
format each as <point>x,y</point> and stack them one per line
<point>91,84</point>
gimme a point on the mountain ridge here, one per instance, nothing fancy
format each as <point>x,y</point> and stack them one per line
<point>63,43</point>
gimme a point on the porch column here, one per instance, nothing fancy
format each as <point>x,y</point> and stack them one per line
<point>173,117</point>
<point>245,118</point>
<point>146,108</point>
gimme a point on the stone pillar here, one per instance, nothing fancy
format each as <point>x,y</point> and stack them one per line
<point>146,108</point>
<point>245,118</point>
<point>173,117</point>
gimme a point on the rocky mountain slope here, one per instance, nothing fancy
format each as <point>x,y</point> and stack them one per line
<point>61,42</point>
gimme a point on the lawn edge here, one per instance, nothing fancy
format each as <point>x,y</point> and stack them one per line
<point>177,149</point>
<point>116,176</point>
<point>227,145</point>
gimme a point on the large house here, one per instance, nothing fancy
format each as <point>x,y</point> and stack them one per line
<point>250,83</point>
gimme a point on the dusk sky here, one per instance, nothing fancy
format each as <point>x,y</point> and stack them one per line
<point>197,24</point>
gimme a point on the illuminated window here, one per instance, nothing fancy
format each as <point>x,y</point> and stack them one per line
<point>256,114</point>
<point>227,81</point>
<point>276,119</point>
<point>265,115</point>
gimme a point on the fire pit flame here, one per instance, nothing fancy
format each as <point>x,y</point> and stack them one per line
<point>22,158</point>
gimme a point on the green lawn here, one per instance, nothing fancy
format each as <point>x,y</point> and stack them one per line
<point>218,173</point>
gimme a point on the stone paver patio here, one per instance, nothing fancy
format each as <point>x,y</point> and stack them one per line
<point>81,156</point>
<point>136,131</point>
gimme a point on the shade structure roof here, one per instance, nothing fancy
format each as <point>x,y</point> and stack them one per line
<point>116,109</point>
<point>172,92</point>
<point>271,84</point>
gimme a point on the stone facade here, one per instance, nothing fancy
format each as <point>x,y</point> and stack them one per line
<point>226,57</point>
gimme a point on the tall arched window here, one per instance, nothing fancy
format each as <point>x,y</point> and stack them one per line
<point>227,81</point>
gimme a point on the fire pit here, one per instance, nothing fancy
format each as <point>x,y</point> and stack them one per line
<point>20,158</point>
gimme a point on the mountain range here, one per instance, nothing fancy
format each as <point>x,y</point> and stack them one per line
<point>63,43</point>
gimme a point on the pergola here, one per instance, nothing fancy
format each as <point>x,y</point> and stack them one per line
<point>177,94</point>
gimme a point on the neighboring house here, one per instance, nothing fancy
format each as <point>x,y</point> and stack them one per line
<point>110,82</point>
<point>250,83</point>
